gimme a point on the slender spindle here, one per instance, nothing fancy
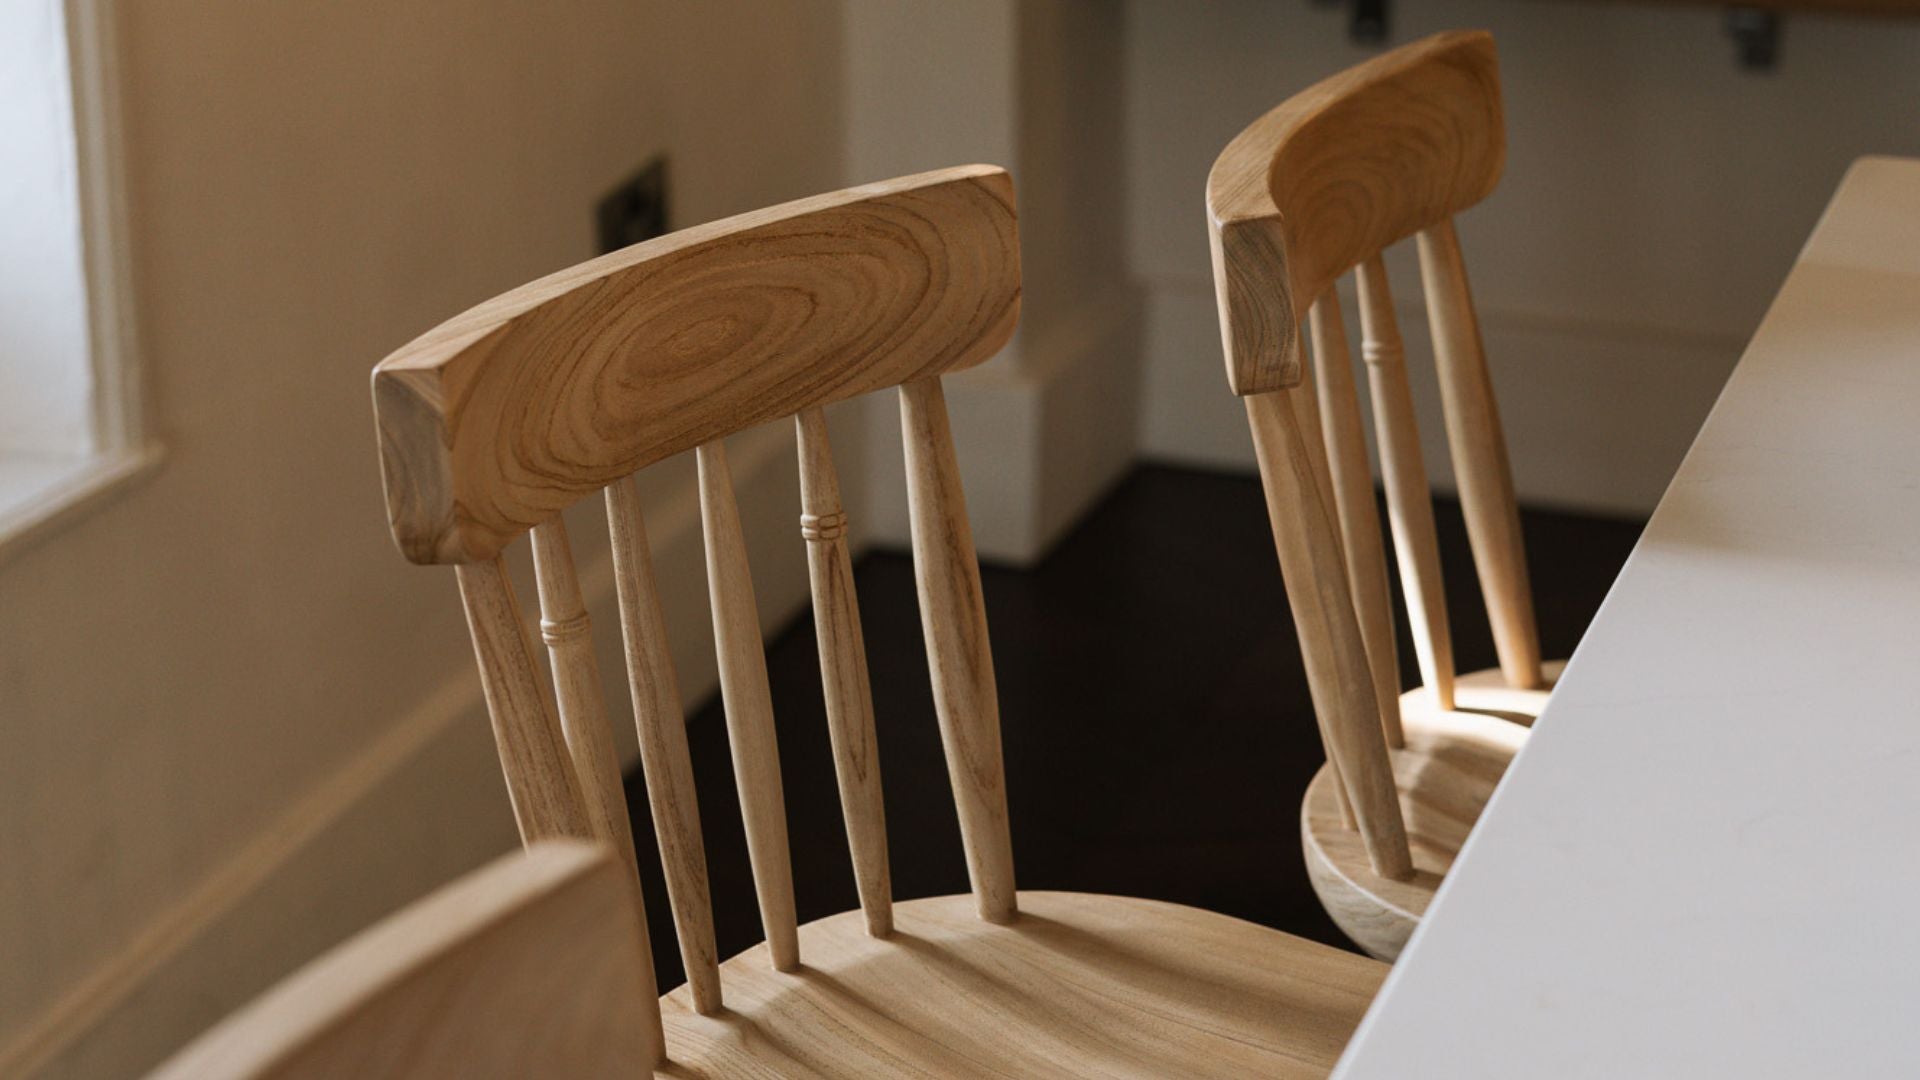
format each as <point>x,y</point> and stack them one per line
<point>568,632</point>
<point>1340,796</point>
<point>663,746</point>
<point>1353,499</point>
<point>1480,464</point>
<point>1338,677</point>
<point>749,705</point>
<point>1306,415</point>
<point>954,620</point>
<point>1409,503</point>
<point>533,753</point>
<point>843,670</point>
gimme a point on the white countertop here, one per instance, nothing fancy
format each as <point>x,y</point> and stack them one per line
<point>1706,862</point>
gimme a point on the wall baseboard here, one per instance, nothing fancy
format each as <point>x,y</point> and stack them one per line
<point>1597,416</point>
<point>1040,433</point>
<point>363,841</point>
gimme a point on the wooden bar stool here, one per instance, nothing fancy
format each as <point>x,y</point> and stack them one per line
<point>1321,185</point>
<point>559,391</point>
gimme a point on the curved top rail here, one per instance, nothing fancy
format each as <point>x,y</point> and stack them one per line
<point>503,416</point>
<point>1335,174</point>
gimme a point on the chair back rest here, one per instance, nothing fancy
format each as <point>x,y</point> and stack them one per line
<point>526,967</point>
<point>495,422</point>
<point>1339,172</point>
<point>1321,185</point>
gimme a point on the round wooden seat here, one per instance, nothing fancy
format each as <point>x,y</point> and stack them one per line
<point>1448,769</point>
<point>1485,691</point>
<point>1077,985</point>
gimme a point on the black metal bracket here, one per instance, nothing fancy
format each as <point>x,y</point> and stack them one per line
<point>1368,22</point>
<point>1755,30</point>
<point>1756,37</point>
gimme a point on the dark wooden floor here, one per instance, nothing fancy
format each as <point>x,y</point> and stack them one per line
<point>1156,720</point>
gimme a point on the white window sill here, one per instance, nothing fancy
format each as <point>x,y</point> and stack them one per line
<point>39,496</point>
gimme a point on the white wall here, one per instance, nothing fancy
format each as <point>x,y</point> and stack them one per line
<point>237,724</point>
<point>45,380</point>
<point>1654,197</point>
<point>1044,429</point>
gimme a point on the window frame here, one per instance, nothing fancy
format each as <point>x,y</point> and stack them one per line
<point>122,447</point>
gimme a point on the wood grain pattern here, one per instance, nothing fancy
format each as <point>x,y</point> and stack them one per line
<point>749,704</point>
<point>1334,174</point>
<point>526,967</point>
<point>663,747</point>
<point>1416,545</point>
<point>954,619</point>
<point>1359,517</point>
<point>514,410</point>
<point>843,670</point>
<point>1479,446</point>
<point>568,632</point>
<point>547,800</point>
<point>1077,986</point>
<point>1338,677</point>
<point>1448,769</point>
